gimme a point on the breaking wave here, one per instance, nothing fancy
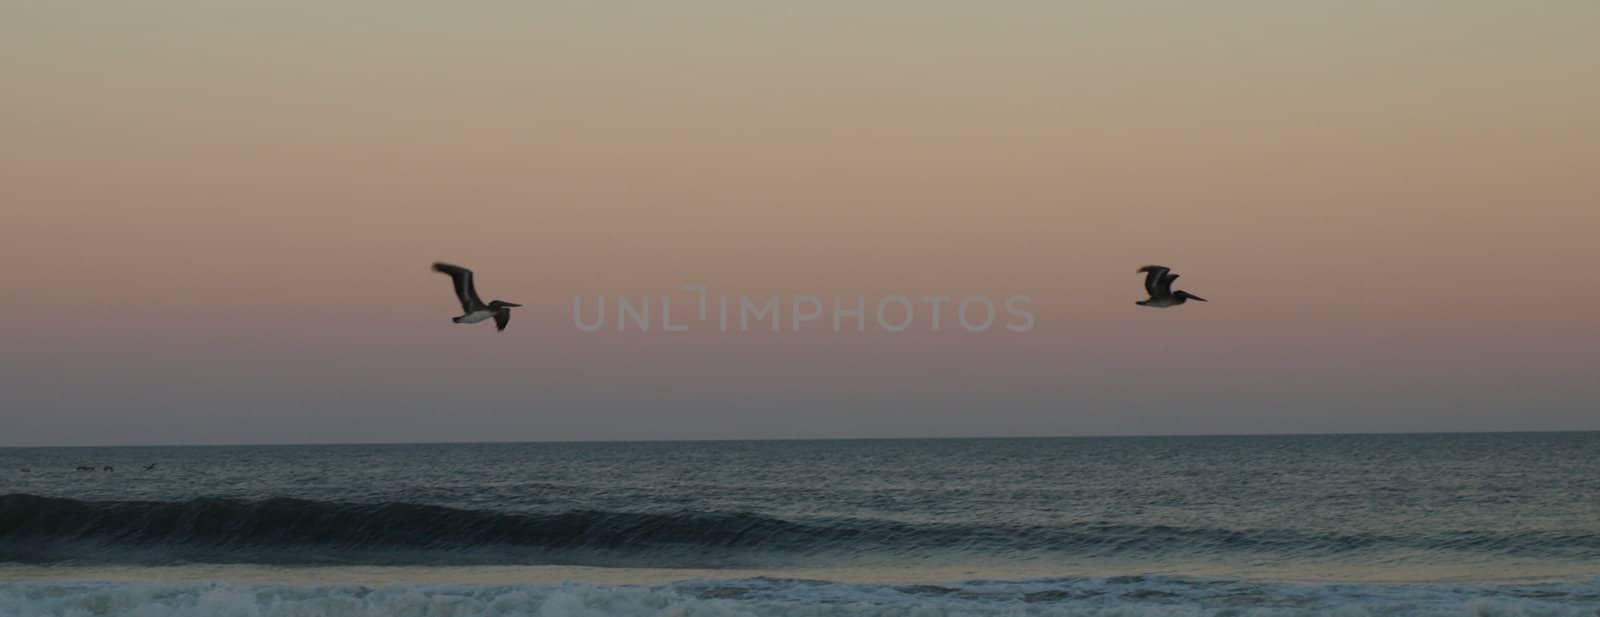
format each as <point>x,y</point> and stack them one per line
<point>35,529</point>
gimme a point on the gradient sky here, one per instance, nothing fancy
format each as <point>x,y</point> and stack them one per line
<point>216,217</point>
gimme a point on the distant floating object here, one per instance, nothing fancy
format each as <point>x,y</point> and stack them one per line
<point>150,467</point>
<point>1158,282</point>
<point>473,309</point>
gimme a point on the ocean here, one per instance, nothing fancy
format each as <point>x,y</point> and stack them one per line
<point>1347,525</point>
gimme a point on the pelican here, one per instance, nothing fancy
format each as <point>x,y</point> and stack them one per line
<point>1158,283</point>
<point>473,309</point>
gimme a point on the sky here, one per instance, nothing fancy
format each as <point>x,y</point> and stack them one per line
<point>216,218</point>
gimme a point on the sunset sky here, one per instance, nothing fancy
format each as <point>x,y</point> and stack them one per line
<point>217,217</point>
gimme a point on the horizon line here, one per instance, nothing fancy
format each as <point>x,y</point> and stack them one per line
<point>793,439</point>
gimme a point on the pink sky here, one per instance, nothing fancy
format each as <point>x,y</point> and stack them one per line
<point>218,219</point>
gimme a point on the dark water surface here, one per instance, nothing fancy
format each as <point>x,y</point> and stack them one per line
<point>1461,508</point>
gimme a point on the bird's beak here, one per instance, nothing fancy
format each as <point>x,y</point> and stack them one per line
<point>1195,297</point>
<point>512,304</point>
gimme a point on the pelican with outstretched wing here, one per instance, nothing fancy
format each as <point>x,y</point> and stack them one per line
<point>1158,283</point>
<point>473,309</point>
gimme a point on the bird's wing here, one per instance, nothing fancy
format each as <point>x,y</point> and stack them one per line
<point>1166,284</point>
<point>1152,278</point>
<point>501,318</point>
<point>465,292</point>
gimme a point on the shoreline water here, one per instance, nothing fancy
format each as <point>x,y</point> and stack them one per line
<point>1509,573</point>
<point>1436,524</point>
<point>1132,596</point>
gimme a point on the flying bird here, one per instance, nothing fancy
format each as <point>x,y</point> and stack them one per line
<point>1158,282</point>
<point>473,309</point>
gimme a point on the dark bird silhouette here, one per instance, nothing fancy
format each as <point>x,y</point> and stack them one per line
<point>1158,283</point>
<point>473,309</point>
<point>150,467</point>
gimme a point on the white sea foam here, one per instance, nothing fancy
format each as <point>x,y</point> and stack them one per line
<point>1127,597</point>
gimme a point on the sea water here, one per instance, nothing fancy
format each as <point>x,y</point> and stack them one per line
<point>1459,524</point>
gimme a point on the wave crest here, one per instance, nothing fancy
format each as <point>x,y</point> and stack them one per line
<point>36,529</point>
